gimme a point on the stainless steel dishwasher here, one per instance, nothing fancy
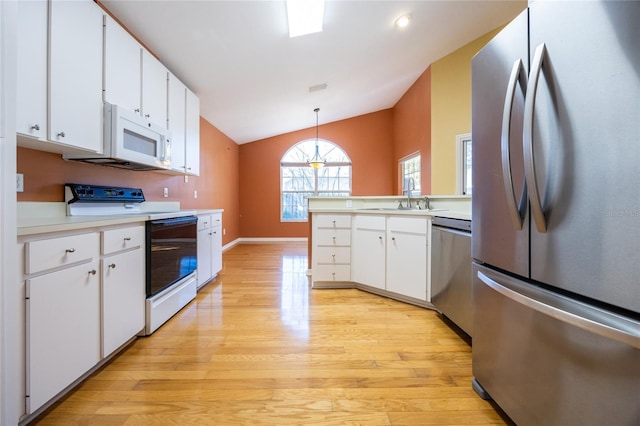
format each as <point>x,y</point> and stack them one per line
<point>451,270</point>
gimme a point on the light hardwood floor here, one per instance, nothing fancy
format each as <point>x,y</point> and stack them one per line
<point>258,346</point>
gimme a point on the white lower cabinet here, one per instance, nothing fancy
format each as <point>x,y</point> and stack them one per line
<point>368,250</point>
<point>63,325</point>
<point>331,251</point>
<point>84,299</point>
<point>407,256</point>
<point>390,253</point>
<point>123,281</point>
<point>209,247</point>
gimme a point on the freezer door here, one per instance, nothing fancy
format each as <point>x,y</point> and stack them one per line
<point>549,360</point>
<point>584,135</point>
<point>500,222</point>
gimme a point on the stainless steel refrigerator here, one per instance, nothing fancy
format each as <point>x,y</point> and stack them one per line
<point>556,215</point>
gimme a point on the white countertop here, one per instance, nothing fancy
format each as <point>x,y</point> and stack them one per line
<point>40,218</point>
<point>453,214</point>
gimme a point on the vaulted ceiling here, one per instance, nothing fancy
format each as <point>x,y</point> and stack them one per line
<point>254,81</point>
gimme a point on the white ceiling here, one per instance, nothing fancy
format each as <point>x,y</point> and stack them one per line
<point>253,80</point>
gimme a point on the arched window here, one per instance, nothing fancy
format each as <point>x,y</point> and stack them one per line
<point>299,181</point>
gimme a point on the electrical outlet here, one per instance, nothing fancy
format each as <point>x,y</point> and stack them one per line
<point>19,182</point>
<point>224,231</point>
<point>186,178</point>
<point>195,194</point>
<point>165,192</point>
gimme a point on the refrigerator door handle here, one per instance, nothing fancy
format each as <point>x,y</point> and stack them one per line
<point>610,330</point>
<point>527,135</point>
<point>518,76</point>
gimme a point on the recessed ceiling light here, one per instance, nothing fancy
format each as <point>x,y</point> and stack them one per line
<point>403,21</point>
<point>305,16</point>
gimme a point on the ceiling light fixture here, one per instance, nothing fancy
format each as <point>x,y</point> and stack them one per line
<point>305,16</point>
<point>403,21</point>
<point>316,161</point>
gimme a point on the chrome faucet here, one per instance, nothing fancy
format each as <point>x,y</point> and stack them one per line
<point>410,181</point>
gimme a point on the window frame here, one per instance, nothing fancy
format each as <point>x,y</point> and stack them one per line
<point>463,141</point>
<point>403,175</point>
<point>316,176</point>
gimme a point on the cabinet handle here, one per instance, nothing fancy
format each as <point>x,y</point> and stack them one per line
<point>214,232</point>
<point>112,265</point>
<point>127,238</point>
<point>35,127</point>
<point>334,257</point>
<point>334,239</point>
<point>206,223</point>
<point>137,110</point>
<point>334,223</point>
<point>70,250</point>
<point>333,275</point>
<point>147,115</point>
<point>188,168</point>
<point>92,272</point>
<point>61,134</point>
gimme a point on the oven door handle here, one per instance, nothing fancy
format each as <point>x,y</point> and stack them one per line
<point>174,221</point>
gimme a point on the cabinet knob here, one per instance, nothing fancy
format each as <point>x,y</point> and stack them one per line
<point>333,275</point>
<point>61,134</point>
<point>393,238</point>
<point>92,272</point>
<point>188,168</point>
<point>70,250</point>
<point>380,237</point>
<point>334,222</point>
<point>127,238</point>
<point>112,265</point>
<point>35,127</point>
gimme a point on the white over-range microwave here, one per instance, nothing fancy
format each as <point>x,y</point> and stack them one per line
<point>129,142</point>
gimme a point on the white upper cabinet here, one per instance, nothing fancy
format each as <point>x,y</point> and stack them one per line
<point>154,89</point>
<point>177,123</point>
<point>192,141</point>
<point>75,75</point>
<point>31,108</point>
<point>122,67</point>
<point>184,124</point>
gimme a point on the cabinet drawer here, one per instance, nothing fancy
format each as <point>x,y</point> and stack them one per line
<point>414,225</point>
<point>204,222</point>
<point>216,219</point>
<point>120,239</point>
<point>377,223</point>
<point>55,252</point>
<point>333,237</point>
<point>332,255</point>
<point>332,221</point>
<point>332,273</point>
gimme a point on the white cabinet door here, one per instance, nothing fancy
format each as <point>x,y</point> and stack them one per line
<point>63,330</point>
<point>123,298</point>
<point>204,255</point>
<point>31,108</point>
<point>368,248</point>
<point>154,89</point>
<point>177,124</point>
<point>192,140</point>
<point>75,85</point>
<point>406,264</point>
<point>122,67</point>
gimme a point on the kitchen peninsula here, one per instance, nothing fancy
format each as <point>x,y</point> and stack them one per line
<point>378,244</point>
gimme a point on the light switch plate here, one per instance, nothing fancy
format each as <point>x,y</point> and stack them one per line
<point>19,182</point>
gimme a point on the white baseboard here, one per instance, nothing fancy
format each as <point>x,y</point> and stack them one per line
<point>255,240</point>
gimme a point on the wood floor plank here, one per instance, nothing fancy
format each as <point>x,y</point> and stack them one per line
<point>258,346</point>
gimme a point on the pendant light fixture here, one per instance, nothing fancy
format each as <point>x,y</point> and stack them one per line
<point>316,161</point>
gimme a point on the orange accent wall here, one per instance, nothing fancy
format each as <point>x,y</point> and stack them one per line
<point>46,173</point>
<point>367,140</point>
<point>412,130</point>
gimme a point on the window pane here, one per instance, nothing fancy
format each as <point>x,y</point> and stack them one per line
<point>297,179</point>
<point>294,206</point>
<point>467,168</point>
<point>411,170</point>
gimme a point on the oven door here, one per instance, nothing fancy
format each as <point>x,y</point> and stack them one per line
<point>171,251</point>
